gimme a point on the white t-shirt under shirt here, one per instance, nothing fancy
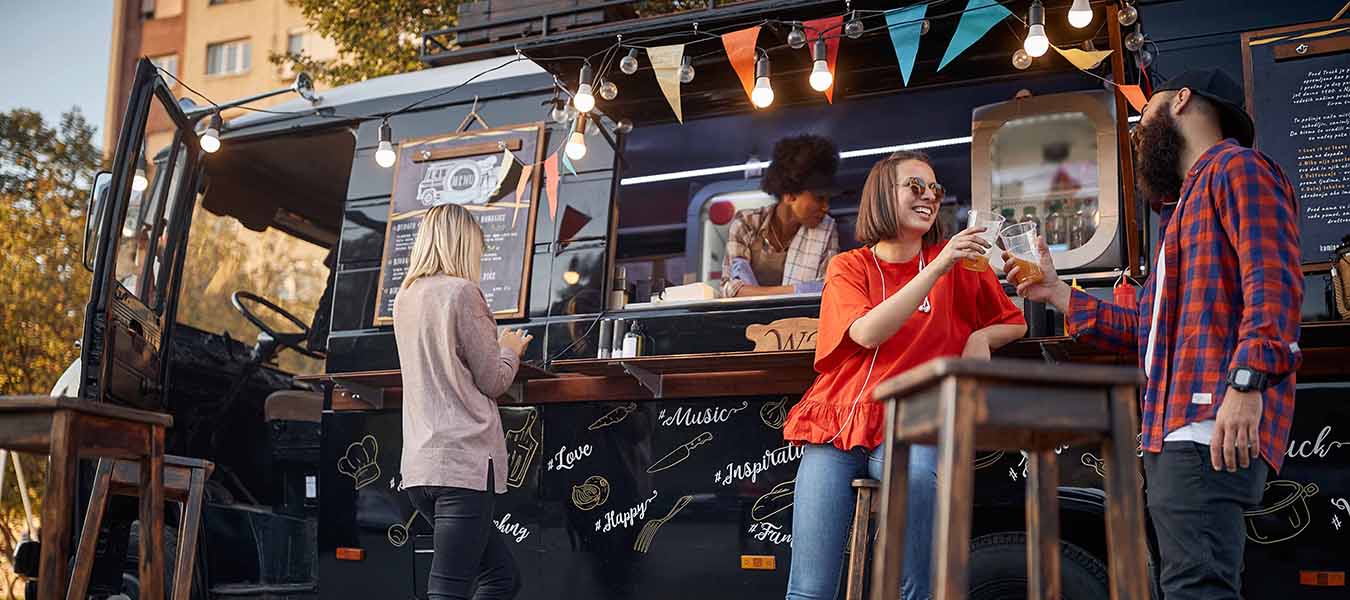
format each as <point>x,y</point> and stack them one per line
<point>1200,432</point>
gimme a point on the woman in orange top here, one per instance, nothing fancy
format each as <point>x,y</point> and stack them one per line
<point>887,307</point>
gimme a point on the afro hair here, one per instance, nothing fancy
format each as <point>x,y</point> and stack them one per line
<point>798,163</point>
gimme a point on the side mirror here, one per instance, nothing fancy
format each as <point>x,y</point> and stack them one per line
<point>98,196</point>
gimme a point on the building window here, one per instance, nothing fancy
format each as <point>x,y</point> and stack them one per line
<point>295,43</point>
<point>168,63</point>
<point>229,58</point>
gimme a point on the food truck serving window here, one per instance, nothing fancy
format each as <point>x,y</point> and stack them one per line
<point>1045,170</point>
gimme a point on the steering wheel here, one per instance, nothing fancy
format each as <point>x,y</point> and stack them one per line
<point>295,341</point>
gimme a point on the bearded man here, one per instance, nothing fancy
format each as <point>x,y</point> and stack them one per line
<point>1216,327</point>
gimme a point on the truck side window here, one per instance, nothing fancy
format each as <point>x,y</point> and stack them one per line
<point>140,249</point>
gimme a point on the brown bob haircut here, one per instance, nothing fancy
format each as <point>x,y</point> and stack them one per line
<point>876,214</point>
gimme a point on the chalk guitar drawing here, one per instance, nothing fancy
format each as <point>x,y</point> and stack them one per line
<point>1283,513</point>
<point>613,417</point>
<point>777,500</point>
<point>680,453</point>
<point>649,529</point>
<point>521,446</point>
<point>1091,461</point>
<point>398,532</point>
<point>591,493</point>
<point>774,414</point>
<point>359,462</point>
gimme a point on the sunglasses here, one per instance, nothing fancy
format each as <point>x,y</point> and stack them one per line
<point>917,185</point>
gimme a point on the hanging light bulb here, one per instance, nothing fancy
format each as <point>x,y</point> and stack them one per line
<point>686,70</point>
<point>1036,43</point>
<point>762,96</point>
<point>854,27</point>
<point>925,26</point>
<point>384,154</point>
<point>624,127</point>
<point>559,112</point>
<point>1144,58</point>
<point>210,139</point>
<point>139,182</point>
<point>821,78</point>
<point>1134,41</point>
<point>1128,15</point>
<point>629,64</point>
<point>608,90</point>
<point>1021,59</point>
<point>583,100</point>
<point>797,37</point>
<point>1080,14</point>
<point>576,142</point>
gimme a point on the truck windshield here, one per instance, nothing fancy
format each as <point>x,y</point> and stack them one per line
<point>223,257</point>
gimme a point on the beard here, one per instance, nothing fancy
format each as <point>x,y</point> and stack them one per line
<point>1157,154</point>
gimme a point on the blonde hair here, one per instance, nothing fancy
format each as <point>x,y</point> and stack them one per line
<point>450,242</point>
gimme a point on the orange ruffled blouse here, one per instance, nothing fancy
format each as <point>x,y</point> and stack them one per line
<point>962,301</point>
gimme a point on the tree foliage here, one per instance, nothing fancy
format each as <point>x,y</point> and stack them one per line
<point>373,37</point>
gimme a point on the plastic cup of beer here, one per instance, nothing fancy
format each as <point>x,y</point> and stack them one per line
<point>1020,240</point>
<point>992,223</point>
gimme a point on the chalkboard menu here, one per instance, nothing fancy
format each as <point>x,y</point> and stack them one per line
<point>1298,90</point>
<point>481,171</point>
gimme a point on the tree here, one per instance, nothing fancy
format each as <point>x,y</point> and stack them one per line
<point>373,37</point>
<point>44,176</point>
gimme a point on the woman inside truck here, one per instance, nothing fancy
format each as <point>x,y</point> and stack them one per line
<point>891,305</point>
<point>784,248</point>
<point>454,367</point>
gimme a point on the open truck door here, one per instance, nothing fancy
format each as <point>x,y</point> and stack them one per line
<point>138,217</point>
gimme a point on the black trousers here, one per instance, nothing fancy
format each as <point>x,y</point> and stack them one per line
<point>1197,515</point>
<point>470,559</point>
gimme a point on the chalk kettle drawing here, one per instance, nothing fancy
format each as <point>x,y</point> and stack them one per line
<point>1283,513</point>
<point>359,462</point>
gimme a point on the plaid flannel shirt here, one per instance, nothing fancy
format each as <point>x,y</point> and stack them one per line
<point>808,254</point>
<point>1231,297</point>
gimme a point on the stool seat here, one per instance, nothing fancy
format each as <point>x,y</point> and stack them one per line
<point>867,483</point>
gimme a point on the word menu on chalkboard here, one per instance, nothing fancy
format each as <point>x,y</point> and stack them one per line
<point>1298,91</point>
<point>477,170</point>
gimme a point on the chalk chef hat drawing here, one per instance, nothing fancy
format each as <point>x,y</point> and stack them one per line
<point>359,462</point>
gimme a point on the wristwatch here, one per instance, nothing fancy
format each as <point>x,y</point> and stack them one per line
<point>1244,379</point>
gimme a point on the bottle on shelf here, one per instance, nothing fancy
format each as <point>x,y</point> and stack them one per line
<point>1054,225</point>
<point>1029,214</point>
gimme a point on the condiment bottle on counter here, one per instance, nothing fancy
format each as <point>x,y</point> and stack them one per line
<point>606,339</point>
<point>620,329</point>
<point>632,342</point>
<point>618,295</point>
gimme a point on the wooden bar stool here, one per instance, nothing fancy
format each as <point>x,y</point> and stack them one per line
<point>184,482</point>
<point>962,405</point>
<point>66,429</point>
<point>865,504</point>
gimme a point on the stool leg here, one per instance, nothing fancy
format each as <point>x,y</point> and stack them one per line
<point>1124,504</point>
<point>956,452</point>
<point>93,519</point>
<point>187,537</point>
<point>57,504</point>
<point>857,544</point>
<point>888,556</point>
<point>152,518</point>
<point>1043,527</point>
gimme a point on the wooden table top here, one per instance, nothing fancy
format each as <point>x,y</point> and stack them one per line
<point>714,362</point>
<point>28,404</point>
<point>1006,370</point>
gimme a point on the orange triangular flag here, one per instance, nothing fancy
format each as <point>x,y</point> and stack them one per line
<point>830,28</point>
<point>666,65</point>
<point>740,47</point>
<point>525,173</point>
<point>1135,96</point>
<point>551,174</point>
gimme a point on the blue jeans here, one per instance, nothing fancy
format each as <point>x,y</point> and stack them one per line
<point>823,509</point>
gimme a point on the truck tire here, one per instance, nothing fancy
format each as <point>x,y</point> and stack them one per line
<point>998,570</point>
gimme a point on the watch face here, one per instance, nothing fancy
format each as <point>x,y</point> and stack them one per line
<point>1242,377</point>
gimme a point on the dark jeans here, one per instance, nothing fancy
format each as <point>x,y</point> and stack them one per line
<point>468,548</point>
<point>1197,514</point>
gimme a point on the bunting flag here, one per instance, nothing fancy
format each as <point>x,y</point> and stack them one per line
<point>567,163</point>
<point>524,182</point>
<point>666,65</point>
<point>831,29</point>
<point>979,17</point>
<point>1135,96</point>
<point>503,173</point>
<point>906,25</point>
<point>1083,59</point>
<point>740,47</point>
<point>551,174</point>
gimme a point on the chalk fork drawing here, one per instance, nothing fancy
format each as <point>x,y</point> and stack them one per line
<point>1283,513</point>
<point>644,539</point>
<point>359,462</point>
<point>680,453</point>
<point>591,493</point>
<point>777,500</point>
<point>521,447</point>
<point>398,532</point>
<point>613,417</point>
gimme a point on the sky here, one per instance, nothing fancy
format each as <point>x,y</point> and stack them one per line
<point>54,55</point>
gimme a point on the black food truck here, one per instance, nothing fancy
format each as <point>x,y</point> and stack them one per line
<point>247,291</point>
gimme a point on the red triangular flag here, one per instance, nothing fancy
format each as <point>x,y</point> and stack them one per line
<point>740,47</point>
<point>831,28</point>
<point>551,174</point>
<point>1135,96</point>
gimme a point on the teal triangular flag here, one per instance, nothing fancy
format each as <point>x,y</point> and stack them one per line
<point>567,162</point>
<point>979,17</point>
<point>906,25</point>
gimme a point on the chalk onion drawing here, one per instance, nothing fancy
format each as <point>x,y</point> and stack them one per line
<point>591,493</point>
